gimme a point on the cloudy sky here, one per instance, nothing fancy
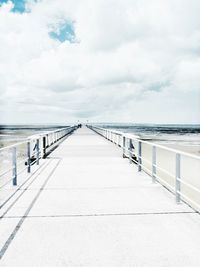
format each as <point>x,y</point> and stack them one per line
<point>100,60</point>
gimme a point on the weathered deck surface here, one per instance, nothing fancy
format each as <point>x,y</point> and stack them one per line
<point>87,206</point>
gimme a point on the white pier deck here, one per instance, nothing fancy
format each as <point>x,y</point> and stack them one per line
<point>87,206</point>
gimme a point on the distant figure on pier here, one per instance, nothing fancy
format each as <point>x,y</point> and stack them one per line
<point>79,125</point>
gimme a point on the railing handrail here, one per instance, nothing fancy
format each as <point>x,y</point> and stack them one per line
<point>129,151</point>
<point>37,146</point>
<point>13,145</point>
<point>33,137</point>
<point>48,132</point>
<point>134,137</point>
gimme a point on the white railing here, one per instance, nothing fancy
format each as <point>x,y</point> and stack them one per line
<point>178,171</point>
<point>20,157</point>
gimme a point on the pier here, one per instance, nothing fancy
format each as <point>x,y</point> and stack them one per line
<point>89,202</point>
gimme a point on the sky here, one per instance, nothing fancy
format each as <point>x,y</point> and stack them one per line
<point>132,61</point>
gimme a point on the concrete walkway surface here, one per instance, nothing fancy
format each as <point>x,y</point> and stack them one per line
<point>87,206</point>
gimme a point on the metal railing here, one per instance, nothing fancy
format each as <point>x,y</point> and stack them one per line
<point>178,171</point>
<point>20,157</point>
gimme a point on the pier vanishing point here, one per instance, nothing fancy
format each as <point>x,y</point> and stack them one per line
<point>88,201</point>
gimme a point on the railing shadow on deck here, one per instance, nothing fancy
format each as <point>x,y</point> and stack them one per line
<point>18,160</point>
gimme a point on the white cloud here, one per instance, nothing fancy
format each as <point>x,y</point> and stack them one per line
<point>133,57</point>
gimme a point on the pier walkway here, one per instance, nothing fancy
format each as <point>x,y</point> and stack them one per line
<point>87,206</point>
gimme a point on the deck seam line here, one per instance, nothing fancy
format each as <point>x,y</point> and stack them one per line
<point>19,188</point>
<point>25,190</point>
<point>102,215</point>
<point>21,221</point>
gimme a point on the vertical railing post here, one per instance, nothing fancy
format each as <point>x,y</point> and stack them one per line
<point>28,157</point>
<point>178,177</point>
<point>153,164</point>
<point>14,165</point>
<point>38,151</point>
<point>124,146</point>
<point>44,147</point>
<point>139,156</point>
<point>129,151</point>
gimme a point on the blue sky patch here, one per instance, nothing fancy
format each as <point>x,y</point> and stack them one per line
<point>19,5</point>
<point>64,32</point>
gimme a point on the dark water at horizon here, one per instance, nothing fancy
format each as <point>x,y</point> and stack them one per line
<point>187,134</point>
<point>161,132</point>
<point>180,129</point>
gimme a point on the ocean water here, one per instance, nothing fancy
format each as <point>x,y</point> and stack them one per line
<point>185,137</point>
<point>10,134</point>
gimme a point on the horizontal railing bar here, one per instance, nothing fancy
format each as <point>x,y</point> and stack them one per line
<point>154,144</point>
<point>127,152</point>
<point>144,167</point>
<point>11,146</point>
<point>165,171</point>
<point>164,182</point>
<point>36,136</point>
<point>33,162</point>
<point>189,185</point>
<point>51,137</point>
<point>134,161</point>
<point>149,162</point>
<point>176,151</point>
<point>189,199</point>
<point>143,159</point>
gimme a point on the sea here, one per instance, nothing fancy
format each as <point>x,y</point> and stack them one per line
<point>185,137</point>
<point>182,136</point>
<point>11,134</point>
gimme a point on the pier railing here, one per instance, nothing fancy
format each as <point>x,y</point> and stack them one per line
<point>20,157</point>
<point>178,171</point>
